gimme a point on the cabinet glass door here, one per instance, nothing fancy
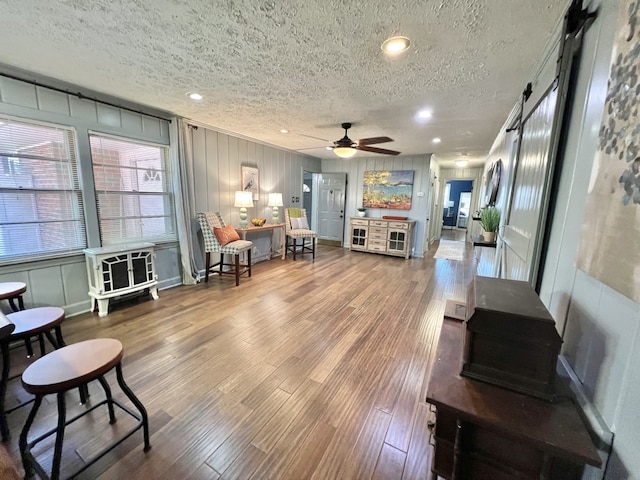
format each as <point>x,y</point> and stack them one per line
<point>397,241</point>
<point>359,237</point>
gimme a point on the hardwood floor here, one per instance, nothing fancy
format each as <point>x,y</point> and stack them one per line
<point>306,370</point>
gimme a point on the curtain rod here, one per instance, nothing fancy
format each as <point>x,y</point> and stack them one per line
<point>81,96</point>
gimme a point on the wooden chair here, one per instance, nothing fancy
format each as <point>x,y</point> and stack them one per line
<point>295,231</point>
<point>209,221</point>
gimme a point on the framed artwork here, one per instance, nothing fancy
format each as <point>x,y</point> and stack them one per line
<point>608,246</point>
<point>250,179</point>
<point>388,189</point>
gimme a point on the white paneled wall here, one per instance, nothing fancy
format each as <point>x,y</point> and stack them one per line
<point>63,281</point>
<point>600,327</point>
<point>217,160</point>
<point>355,168</point>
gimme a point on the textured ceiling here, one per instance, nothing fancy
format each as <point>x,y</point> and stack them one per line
<point>306,65</point>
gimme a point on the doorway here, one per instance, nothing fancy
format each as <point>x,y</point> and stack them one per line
<point>456,209</point>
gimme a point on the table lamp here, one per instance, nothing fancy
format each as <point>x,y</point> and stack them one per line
<point>275,201</point>
<point>243,200</point>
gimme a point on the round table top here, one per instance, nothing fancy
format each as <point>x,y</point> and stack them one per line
<point>11,289</point>
<point>72,366</point>
<point>35,320</point>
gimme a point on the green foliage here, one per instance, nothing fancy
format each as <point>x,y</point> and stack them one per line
<point>490,219</point>
<point>361,209</point>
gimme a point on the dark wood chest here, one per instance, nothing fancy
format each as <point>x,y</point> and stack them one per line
<point>510,340</point>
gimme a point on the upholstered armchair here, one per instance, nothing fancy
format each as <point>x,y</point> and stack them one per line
<point>213,231</point>
<point>297,227</point>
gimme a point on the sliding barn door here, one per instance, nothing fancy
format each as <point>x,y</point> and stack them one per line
<point>521,232</point>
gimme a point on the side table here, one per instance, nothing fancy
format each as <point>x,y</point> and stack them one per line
<point>267,226</point>
<point>486,432</point>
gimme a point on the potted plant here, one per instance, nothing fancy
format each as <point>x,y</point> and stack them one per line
<point>361,211</point>
<point>490,221</point>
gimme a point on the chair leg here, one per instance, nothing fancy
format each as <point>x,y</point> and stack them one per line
<point>313,243</point>
<point>237,264</point>
<point>206,267</point>
<point>221,263</point>
<point>249,261</point>
<point>295,247</point>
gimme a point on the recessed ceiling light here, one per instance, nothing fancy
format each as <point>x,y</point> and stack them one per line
<point>424,115</point>
<point>461,163</point>
<point>329,148</point>
<point>395,45</point>
<point>194,96</point>
<point>436,140</point>
<point>284,130</point>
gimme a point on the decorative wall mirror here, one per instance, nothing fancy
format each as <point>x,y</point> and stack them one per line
<point>493,183</point>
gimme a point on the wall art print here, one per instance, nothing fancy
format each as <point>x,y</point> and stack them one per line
<point>388,189</point>
<point>250,178</point>
<point>608,248</point>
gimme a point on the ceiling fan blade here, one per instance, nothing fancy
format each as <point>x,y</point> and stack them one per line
<point>371,141</point>
<point>384,151</point>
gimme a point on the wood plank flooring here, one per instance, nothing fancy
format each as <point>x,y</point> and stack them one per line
<point>308,370</point>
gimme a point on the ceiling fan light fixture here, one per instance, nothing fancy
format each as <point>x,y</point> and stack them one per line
<point>395,45</point>
<point>344,152</point>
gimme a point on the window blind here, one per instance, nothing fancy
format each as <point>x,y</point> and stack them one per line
<point>133,194</point>
<point>41,212</point>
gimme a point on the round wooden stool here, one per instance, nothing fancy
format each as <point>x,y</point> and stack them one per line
<point>28,323</point>
<point>12,290</point>
<point>71,367</point>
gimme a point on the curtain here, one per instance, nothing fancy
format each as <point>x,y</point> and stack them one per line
<point>182,183</point>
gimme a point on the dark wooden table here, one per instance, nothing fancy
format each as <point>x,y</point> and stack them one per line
<point>478,241</point>
<point>484,431</point>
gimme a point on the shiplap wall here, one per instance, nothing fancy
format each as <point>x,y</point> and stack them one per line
<point>217,161</point>
<point>600,327</point>
<point>355,168</point>
<point>63,281</point>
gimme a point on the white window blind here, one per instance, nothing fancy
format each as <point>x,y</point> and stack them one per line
<point>132,191</point>
<point>41,213</point>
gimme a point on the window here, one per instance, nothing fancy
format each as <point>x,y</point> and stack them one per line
<point>132,191</point>
<point>41,212</point>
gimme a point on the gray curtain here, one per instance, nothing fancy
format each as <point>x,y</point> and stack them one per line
<point>182,183</point>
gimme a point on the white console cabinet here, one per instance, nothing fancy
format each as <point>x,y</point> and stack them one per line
<point>118,270</point>
<point>379,235</point>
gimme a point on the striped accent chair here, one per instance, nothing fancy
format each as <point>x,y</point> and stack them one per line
<point>209,221</point>
<point>296,226</point>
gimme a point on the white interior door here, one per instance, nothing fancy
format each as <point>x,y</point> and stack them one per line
<point>331,202</point>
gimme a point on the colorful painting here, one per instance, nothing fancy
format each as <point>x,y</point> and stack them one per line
<point>608,248</point>
<point>387,189</point>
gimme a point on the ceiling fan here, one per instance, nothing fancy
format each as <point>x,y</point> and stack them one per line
<point>347,148</point>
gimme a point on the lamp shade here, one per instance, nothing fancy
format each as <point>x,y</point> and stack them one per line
<point>344,152</point>
<point>243,199</point>
<point>275,200</point>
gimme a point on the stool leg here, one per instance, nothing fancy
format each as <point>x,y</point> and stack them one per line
<point>59,337</point>
<point>143,412</point>
<point>4,428</point>
<point>41,342</point>
<point>27,458</point>
<point>27,344</point>
<point>20,302</point>
<point>57,451</point>
<point>107,392</point>
<point>12,304</point>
